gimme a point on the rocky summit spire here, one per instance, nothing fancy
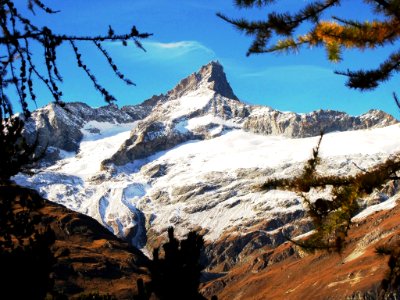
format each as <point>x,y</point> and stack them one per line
<point>211,75</point>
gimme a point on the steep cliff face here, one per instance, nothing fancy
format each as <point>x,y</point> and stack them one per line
<point>54,126</point>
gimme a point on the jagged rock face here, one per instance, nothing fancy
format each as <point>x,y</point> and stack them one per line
<point>215,79</point>
<point>61,127</point>
<point>193,160</point>
<point>148,138</point>
<point>166,127</point>
<point>139,112</point>
<point>232,248</point>
<point>54,126</point>
<point>268,121</point>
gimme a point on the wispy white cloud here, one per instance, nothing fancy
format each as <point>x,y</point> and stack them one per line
<point>176,49</point>
<point>171,52</point>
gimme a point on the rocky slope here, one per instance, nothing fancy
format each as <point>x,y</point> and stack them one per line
<point>205,96</point>
<point>192,159</point>
<point>288,272</point>
<point>88,258</point>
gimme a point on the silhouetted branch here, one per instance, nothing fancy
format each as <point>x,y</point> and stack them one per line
<point>23,82</point>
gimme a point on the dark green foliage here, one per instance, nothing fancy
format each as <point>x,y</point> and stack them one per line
<point>277,23</point>
<point>370,79</point>
<point>177,274</point>
<point>250,3</point>
<point>25,256</point>
<point>383,250</point>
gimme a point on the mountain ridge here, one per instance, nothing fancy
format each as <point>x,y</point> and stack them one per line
<point>55,126</point>
<point>196,97</point>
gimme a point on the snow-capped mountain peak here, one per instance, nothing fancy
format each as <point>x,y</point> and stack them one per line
<point>201,106</point>
<point>210,76</point>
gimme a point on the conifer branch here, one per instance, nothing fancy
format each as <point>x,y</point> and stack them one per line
<point>332,217</point>
<point>396,100</point>
<point>19,56</point>
<point>33,3</point>
<point>112,64</point>
<point>251,3</point>
<point>107,96</point>
<point>368,80</point>
<point>334,34</point>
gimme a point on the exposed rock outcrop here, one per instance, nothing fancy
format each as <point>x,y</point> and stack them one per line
<point>272,122</point>
<point>212,75</point>
<point>61,126</point>
<point>148,138</point>
<point>208,94</point>
<point>174,118</point>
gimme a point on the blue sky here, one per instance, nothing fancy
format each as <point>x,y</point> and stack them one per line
<point>187,35</point>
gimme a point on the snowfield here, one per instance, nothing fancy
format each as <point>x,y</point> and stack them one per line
<point>100,141</point>
<point>190,102</point>
<point>207,183</point>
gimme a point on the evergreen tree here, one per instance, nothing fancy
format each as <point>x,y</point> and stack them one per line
<point>279,33</point>
<point>332,217</point>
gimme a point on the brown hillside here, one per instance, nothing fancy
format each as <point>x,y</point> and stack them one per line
<point>287,272</point>
<point>89,258</point>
